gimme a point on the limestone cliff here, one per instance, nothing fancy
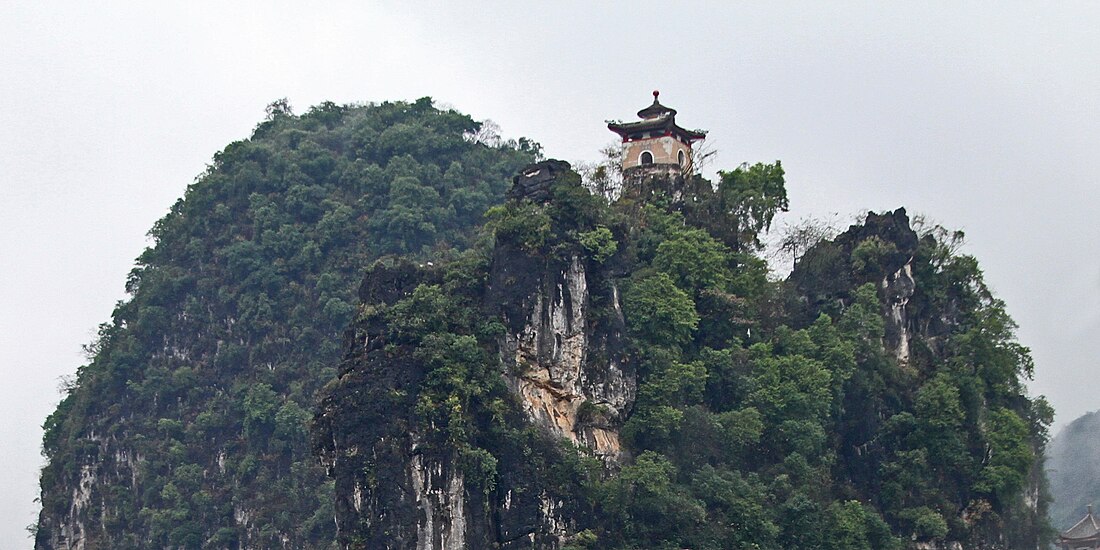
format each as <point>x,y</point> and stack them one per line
<point>883,248</point>
<point>398,487</point>
<point>565,373</point>
<point>626,376</point>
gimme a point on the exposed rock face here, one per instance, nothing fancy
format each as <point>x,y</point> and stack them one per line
<point>391,491</point>
<point>560,361</point>
<point>72,533</point>
<point>898,288</point>
<point>86,513</point>
<point>937,546</point>
<point>562,364</point>
<point>438,496</point>
<point>648,184</point>
<point>886,252</point>
<point>534,180</point>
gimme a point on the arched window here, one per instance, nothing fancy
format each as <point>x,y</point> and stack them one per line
<point>681,157</point>
<point>647,157</point>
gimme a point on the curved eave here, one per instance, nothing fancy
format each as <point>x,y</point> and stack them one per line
<point>638,130</point>
<point>1088,524</point>
<point>693,135</point>
<point>650,125</point>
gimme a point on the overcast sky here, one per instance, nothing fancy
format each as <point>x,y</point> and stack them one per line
<point>983,117</point>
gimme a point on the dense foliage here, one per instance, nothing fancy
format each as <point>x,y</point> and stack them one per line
<point>187,428</point>
<point>768,414</point>
<point>768,419</point>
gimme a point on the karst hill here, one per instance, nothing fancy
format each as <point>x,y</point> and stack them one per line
<point>381,326</point>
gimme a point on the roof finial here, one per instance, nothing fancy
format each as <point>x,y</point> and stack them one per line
<point>655,94</point>
<point>1090,509</point>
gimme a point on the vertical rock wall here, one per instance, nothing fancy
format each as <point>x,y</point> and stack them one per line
<point>551,365</point>
<point>897,288</point>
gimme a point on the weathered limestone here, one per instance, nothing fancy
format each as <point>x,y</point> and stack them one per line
<point>550,363</point>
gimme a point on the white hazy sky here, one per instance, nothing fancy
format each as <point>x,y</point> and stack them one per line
<point>982,116</point>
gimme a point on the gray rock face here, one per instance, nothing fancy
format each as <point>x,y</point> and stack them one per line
<point>898,288</point>
<point>440,496</point>
<point>937,546</point>
<point>84,517</point>
<point>534,181</point>
<point>550,364</point>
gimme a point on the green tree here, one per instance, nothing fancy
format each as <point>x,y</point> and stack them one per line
<point>234,318</point>
<point>746,202</point>
<point>695,260</point>
<point>659,312</point>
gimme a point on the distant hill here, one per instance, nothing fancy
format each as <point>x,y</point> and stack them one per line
<point>1074,470</point>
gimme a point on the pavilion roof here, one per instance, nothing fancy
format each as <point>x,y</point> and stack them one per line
<point>656,109</point>
<point>1087,528</point>
<point>656,119</point>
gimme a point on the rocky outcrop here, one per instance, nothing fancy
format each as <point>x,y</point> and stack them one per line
<point>880,251</point>
<point>921,313</point>
<point>391,492</point>
<point>534,181</point>
<point>87,514</point>
<point>560,359</point>
<point>563,362</point>
<point>937,546</point>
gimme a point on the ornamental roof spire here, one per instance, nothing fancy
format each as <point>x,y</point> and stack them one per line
<point>656,110</point>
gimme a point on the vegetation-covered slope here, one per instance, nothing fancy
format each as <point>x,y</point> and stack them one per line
<point>186,429</point>
<point>874,400</point>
